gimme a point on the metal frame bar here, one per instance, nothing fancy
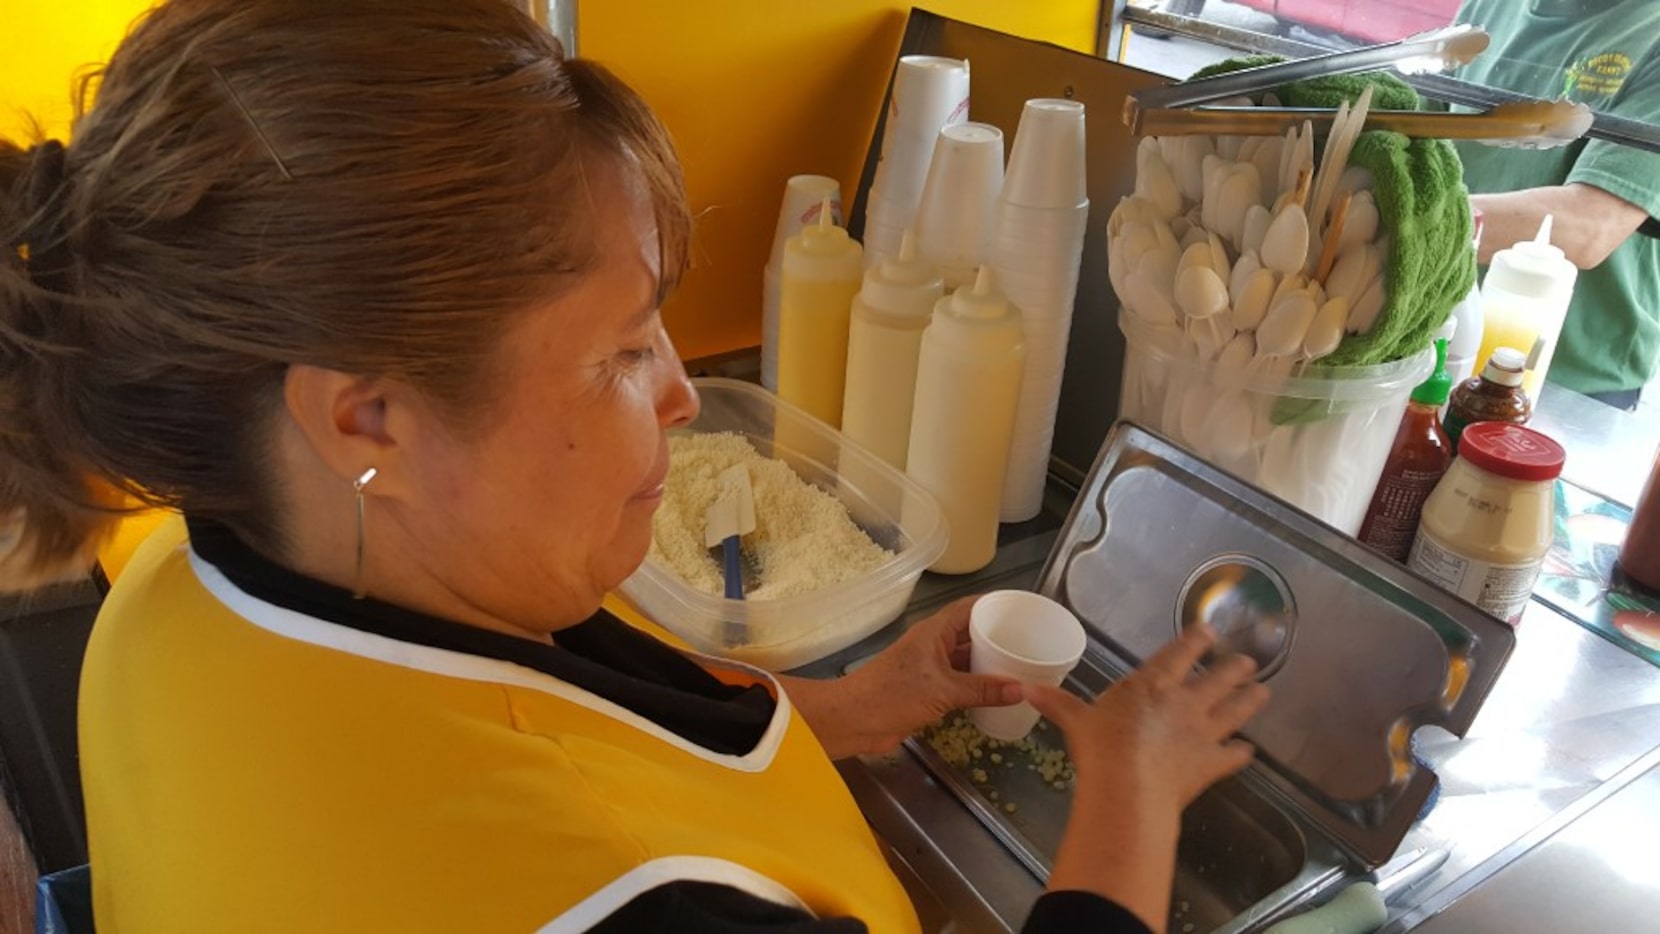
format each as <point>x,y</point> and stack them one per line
<point>559,16</point>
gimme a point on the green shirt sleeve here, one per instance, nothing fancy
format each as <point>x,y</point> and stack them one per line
<point>1627,173</point>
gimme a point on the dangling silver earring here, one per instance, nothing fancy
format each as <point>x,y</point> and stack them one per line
<point>362,481</point>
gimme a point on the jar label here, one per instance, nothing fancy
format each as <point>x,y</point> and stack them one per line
<point>1396,509</point>
<point>1500,589</point>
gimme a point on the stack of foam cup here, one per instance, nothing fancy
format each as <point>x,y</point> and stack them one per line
<point>959,201</point>
<point>1036,250</point>
<point>804,195</point>
<point>929,94</point>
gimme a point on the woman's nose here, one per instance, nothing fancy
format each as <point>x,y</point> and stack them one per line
<point>677,402</point>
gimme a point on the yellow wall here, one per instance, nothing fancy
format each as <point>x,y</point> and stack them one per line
<point>758,90</point>
<point>43,44</point>
<point>754,91</point>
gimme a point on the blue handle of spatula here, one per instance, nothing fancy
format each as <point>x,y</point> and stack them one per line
<point>733,567</point>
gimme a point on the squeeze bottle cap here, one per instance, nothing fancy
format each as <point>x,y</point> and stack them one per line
<point>803,202</point>
<point>824,236</point>
<point>981,301</point>
<point>903,284</point>
<point>1531,268</point>
<point>1505,367</point>
<point>1434,391</point>
<point>823,250</point>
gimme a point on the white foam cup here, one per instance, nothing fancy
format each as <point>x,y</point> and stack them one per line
<point>1039,298</point>
<point>1047,167</point>
<point>1039,282</point>
<point>1016,222</point>
<point>803,197</point>
<point>881,241</point>
<point>771,301</point>
<point>929,92</point>
<point>959,201</point>
<point>1046,331</point>
<point>1026,636</point>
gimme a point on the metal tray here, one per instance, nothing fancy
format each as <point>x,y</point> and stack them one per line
<point>1359,652</point>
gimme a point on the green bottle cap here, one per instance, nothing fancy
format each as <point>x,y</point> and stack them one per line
<point>1434,391</point>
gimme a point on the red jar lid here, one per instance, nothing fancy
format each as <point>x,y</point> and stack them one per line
<point>1511,451</point>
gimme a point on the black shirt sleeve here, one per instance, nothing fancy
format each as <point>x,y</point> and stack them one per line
<point>709,908</point>
<point>1067,912</point>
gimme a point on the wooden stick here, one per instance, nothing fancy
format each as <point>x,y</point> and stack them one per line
<point>1334,233</point>
<point>1339,146</point>
<point>1317,222</point>
<point>1305,178</point>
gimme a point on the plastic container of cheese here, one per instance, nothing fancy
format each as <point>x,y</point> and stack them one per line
<point>788,632</point>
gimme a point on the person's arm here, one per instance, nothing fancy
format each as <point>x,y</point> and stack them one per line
<point>910,684</point>
<point>1588,223</point>
<point>1149,745</point>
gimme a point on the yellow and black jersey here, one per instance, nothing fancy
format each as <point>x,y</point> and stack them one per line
<point>260,752</point>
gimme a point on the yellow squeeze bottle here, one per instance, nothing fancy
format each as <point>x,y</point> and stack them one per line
<point>823,269</point>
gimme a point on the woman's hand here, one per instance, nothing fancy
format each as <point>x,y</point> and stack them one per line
<point>1166,728</point>
<point>1145,748</point>
<point>917,680</point>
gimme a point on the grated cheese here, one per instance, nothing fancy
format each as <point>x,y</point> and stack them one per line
<point>804,540</point>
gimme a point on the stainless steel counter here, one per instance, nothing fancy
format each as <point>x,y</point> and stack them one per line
<point>1573,721</point>
<point>1609,451</point>
<point>1597,874</point>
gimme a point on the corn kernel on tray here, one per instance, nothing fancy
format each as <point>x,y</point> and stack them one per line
<point>1021,791</point>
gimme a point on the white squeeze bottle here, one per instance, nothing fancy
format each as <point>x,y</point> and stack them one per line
<point>883,347</point>
<point>1524,300</point>
<point>967,389</point>
<point>1464,342</point>
<point>823,268</point>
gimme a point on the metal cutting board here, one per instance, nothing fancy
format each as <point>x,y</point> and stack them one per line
<point>1359,652</point>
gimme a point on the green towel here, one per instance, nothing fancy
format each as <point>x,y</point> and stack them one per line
<point>1423,206</point>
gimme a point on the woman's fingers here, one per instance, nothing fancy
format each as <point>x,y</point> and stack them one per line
<point>1214,683</point>
<point>1237,707</point>
<point>1058,705</point>
<point>1171,664</point>
<point>1232,756</point>
<point>984,691</point>
<point>955,616</point>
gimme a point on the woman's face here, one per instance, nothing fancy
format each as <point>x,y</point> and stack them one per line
<point>532,523</point>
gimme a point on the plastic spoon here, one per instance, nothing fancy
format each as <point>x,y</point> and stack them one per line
<point>731,515</point>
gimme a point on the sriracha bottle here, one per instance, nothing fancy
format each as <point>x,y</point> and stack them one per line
<point>1421,454</point>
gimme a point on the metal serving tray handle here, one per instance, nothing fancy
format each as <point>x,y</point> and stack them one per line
<point>1359,651</point>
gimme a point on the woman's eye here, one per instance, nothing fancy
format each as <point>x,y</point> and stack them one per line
<point>638,356</point>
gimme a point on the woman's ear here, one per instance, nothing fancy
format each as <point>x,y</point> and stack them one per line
<point>343,418</point>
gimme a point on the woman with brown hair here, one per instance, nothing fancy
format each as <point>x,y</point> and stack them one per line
<point>369,292</point>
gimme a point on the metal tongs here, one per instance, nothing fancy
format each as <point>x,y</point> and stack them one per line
<point>1173,110</point>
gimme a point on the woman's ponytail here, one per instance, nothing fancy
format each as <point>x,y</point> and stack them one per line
<point>53,510</point>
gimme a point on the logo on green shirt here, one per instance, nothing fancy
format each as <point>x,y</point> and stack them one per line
<point>1597,78</point>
